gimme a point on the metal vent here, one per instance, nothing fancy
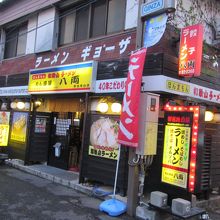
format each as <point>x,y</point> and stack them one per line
<point>206,162</point>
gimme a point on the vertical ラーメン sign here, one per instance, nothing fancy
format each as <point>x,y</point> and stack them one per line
<point>190,54</point>
<point>177,143</point>
<point>128,128</point>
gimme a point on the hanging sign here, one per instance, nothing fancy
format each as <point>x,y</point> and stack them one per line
<point>103,138</point>
<point>190,54</point>
<point>19,126</point>
<point>176,148</point>
<point>154,29</point>
<point>79,77</point>
<point>128,128</point>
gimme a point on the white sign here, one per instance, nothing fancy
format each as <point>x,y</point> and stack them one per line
<point>150,7</point>
<point>110,85</point>
<point>167,84</point>
<point>14,91</point>
<point>161,83</point>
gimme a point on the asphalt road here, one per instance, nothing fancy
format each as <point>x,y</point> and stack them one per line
<point>27,197</point>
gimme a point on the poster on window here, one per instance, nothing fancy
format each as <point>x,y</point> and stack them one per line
<point>40,125</point>
<point>19,126</point>
<point>103,138</point>
<point>4,128</point>
<point>4,117</point>
<point>177,139</point>
<point>4,132</point>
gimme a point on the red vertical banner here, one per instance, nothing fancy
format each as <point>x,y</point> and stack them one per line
<point>128,128</point>
<point>190,54</point>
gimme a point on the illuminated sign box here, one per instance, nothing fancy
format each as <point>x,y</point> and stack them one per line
<point>79,77</point>
<point>180,146</point>
<point>190,54</point>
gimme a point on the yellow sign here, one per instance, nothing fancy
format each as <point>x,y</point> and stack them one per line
<point>19,126</point>
<point>176,155</point>
<point>105,152</point>
<point>63,79</point>
<point>4,131</point>
<point>176,86</point>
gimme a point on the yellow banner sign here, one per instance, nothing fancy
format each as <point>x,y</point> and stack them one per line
<point>176,86</point>
<point>63,79</point>
<point>19,126</point>
<point>4,132</point>
<point>105,152</point>
<point>176,155</point>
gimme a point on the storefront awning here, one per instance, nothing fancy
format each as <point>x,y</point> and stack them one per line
<point>161,83</point>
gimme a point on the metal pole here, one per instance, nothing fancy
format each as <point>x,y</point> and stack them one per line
<point>116,173</point>
<point>133,170</point>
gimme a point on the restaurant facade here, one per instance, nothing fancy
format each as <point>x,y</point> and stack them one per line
<point>72,98</point>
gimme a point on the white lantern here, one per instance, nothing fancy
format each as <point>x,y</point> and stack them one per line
<point>13,105</point>
<point>20,105</point>
<point>116,107</point>
<point>102,107</point>
<point>209,116</point>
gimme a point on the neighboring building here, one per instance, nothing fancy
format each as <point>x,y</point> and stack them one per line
<point>50,45</point>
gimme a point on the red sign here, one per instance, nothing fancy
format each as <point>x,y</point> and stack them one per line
<point>128,128</point>
<point>190,54</point>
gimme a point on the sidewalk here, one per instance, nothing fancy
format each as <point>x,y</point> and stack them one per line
<point>59,176</point>
<point>56,175</point>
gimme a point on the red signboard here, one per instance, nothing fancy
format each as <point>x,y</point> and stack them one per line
<point>128,128</point>
<point>190,54</point>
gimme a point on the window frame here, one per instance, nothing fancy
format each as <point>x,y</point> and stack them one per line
<point>89,28</point>
<point>15,39</point>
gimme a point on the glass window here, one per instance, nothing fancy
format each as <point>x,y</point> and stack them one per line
<point>116,15</point>
<point>16,39</point>
<point>67,28</point>
<point>82,23</point>
<point>11,44</point>
<point>22,40</point>
<point>98,21</point>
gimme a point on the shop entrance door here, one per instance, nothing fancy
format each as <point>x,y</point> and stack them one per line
<point>65,140</point>
<point>40,137</point>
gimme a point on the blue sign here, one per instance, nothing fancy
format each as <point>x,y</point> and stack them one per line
<point>154,29</point>
<point>153,6</point>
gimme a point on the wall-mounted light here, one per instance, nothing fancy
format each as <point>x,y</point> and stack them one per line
<point>20,105</point>
<point>209,116</point>
<point>102,107</point>
<point>116,107</point>
<point>13,105</point>
<point>37,103</point>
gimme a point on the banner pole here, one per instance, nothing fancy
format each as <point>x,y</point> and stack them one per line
<point>116,172</point>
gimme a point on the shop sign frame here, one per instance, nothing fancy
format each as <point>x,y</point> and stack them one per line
<point>174,115</point>
<point>73,78</point>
